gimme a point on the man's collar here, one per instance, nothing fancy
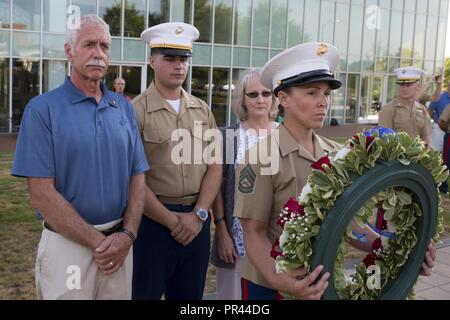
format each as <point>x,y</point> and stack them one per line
<point>158,102</point>
<point>76,96</point>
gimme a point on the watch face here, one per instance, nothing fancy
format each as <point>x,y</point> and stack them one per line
<point>202,214</point>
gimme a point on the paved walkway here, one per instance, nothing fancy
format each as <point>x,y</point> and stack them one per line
<point>437,287</point>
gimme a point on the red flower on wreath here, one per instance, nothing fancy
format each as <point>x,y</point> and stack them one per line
<point>369,141</point>
<point>274,253</point>
<point>293,209</point>
<point>318,164</point>
<point>369,260</point>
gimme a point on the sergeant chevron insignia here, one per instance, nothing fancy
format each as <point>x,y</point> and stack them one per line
<point>247,180</point>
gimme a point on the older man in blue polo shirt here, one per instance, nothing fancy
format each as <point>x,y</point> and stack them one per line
<point>81,151</point>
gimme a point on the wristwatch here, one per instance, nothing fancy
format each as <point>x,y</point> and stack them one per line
<point>202,214</point>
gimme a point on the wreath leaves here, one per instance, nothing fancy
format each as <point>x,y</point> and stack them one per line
<point>328,181</point>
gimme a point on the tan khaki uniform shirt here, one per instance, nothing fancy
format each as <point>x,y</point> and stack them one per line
<point>445,116</point>
<point>264,199</point>
<point>157,121</point>
<point>414,121</point>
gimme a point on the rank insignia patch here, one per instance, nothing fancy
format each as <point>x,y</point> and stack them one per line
<point>247,180</point>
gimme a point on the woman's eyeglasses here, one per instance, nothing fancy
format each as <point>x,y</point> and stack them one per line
<point>255,94</point>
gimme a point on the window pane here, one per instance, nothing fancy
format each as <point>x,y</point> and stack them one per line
<point>4,13</point>
<point>261,21</point>
<point>114,52</point>
<point>135,50</point>
<point>395,34</point>
<point>410,5</point>
<point>337,110</point>
<point>223,20</point>
<point>441,39</point>
<point>54,20</point>
<point>354,63</point>
<point>110,11</point>
<point>158,12</point>
<point>54,74</point>
<point>4,94</point>
<point>422,6</point>
<point>134,18</point>
<point>259,57</point>
<point>431,38</point>
<point>201,54</point>
<point>295,21</point>
<point>53,46</point>
<point>25,44</point>
<point>381,65</point>
<point>111,74</point>
<point>24,87</point>
<point>381,48</point>
<point>202,19</point>
<point>428,66</point>
<point>352,98</point>
<point>26,14</point>
<point>397,4</point>
<point>419,36</point>
<point>393,64</point>
<point>433,7</point>
<point>355,32</point>
<point>132,77</point>
<point>341,28</point>
<point>273,53</point>
<point>86,6</point>
<point>199,82</point>
<point>444,8</point>
<point>241,57</point>
<point>181,10</point>
<point>327,22</point>
<point>311,27</point>
<point>279,24</point>
<point>4,43</point>
<point>408,36</point>
<point>220,95</point>
<point>386,4</point>
<point>242,22</point>
<point>369,37</point>
<point>222,55</point>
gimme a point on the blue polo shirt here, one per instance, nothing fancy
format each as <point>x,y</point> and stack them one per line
<point>438,106</point>
<point>90,149</point>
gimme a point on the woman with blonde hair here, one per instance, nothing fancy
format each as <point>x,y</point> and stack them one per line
<point>255,107</point>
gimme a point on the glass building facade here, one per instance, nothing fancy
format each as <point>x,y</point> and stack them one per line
<point>373,36</point>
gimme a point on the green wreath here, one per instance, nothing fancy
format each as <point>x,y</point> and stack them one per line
<point>379,170</point>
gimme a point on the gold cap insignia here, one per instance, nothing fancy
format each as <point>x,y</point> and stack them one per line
<point>279,82</point>
<point>322,49</point>
<point>179,30</point>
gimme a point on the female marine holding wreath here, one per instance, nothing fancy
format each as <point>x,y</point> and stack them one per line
<point>302,78</point>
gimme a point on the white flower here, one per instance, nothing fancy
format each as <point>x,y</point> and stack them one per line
<point>283,239</point>
<point>341,154</point>
<point>304,196</point>
<point>280,266</point>
<point>385,242</point>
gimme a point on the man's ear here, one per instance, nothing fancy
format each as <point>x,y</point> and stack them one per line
<point>68,51</point>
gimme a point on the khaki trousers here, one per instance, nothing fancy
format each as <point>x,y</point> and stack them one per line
<point>67,270</point>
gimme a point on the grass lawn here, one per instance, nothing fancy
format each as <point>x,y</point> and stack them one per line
<point>20,233</point>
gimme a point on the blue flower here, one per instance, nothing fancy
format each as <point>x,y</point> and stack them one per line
<point>381,132</point>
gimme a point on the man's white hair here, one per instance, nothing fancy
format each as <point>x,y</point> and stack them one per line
<point>91,20</point>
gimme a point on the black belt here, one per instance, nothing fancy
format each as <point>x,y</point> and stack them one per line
<point>106,232</point>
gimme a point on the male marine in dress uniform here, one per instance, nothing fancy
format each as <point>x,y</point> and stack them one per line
<point>172,252</point>
<point>405,114</point>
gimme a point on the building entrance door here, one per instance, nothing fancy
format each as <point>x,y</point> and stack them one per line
<point>373,97</point>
